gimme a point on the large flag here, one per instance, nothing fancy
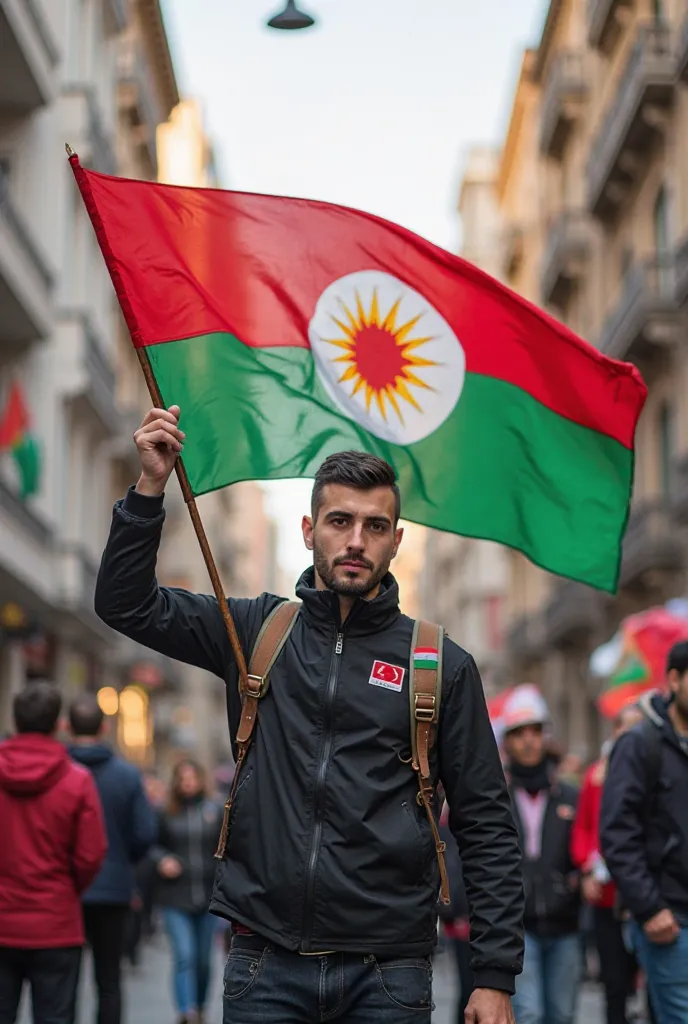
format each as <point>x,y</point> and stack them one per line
<point>288,329</point>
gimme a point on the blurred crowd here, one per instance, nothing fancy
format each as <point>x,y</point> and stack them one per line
<point>98,854</point>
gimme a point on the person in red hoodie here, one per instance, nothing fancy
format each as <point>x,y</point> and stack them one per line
<point>617,965</point>
<point>53,845</point>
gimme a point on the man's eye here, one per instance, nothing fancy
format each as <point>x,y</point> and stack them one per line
<point>377,527</point>
<point>338,522</point>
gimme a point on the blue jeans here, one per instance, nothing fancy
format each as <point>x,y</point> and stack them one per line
<point>191,937</point>
<point>666,970</point>
<point>546,991</point>
<point>264,984</point>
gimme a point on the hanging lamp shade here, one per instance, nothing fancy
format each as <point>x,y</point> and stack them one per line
<point>291,18</point>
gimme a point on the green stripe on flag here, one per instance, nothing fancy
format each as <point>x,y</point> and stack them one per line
<point>502,466</point>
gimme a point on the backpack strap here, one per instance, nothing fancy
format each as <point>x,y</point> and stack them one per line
<point>273,635</point>
<point>425,692</point>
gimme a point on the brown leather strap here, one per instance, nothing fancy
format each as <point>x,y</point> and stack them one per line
<point>273,635</point>
<point>425,692</point>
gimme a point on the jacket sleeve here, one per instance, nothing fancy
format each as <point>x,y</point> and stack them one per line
<point>90,838</point>
<point>622,827</point>
<point>480,819</point>
<point>174,622</point>
<point>585,830</point>
<point>144,826</point>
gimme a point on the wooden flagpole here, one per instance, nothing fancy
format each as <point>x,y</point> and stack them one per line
<point>187,493</point>
<point>199,529</point>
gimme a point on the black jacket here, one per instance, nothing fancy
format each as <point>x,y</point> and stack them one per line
<point>552,883</point>
<point>191,837</point>
<point>644,827</point>
<point>328,848</point>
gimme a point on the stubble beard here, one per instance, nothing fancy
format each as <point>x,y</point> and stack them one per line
<point>352,587</point>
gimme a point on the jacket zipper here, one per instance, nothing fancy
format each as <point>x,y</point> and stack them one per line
<point>320,790</point>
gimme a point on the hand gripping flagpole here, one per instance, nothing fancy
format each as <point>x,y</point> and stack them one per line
<point>157,400</point>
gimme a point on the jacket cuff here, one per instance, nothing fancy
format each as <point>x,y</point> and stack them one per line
<point>648,914</point>
<point>488,977</point>
<point>141,506</point>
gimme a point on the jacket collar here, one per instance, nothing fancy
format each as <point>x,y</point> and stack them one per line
<point>321,607</point>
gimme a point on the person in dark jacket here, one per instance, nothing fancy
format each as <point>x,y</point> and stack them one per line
<point>185,858</point>
<point>131,831</point>
<point>544,808</point>
<point>53,844</point>
<point>326,836</point>
<point>644,836</point>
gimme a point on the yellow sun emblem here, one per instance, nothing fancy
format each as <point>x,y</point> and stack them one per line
<point>379,355</point>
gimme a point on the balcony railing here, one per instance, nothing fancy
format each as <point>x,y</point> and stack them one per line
<point>604,21</point>
<point>566,250</point>
<point>635,117</point>
<point>573,613</point>
<point>647,312</point>
<point>565,88</point>
<point>651,544</point>
<point>683,52</point>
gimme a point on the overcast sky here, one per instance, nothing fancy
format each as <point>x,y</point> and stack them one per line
<point>375,108</point>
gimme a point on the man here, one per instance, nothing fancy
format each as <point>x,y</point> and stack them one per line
<point>618,967</point>
<point>131,831</point>
<point>644,832</point>
<point>53,844</point>
<point>329,872</point>
<point>544,807</point>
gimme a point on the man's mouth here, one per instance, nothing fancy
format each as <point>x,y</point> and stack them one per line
<point>351,564</point>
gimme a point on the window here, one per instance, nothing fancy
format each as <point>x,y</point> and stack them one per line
<point>665,432</point>
<point>661,222</point>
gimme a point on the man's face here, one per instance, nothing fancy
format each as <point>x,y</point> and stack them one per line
<point>354,539</point>
<point>525,745</point>
<point>678,684</point>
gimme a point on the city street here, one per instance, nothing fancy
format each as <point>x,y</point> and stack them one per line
<point>148,994</point>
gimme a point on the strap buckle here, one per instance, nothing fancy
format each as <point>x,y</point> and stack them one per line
<point>425,711</point>
<point>256,686</point>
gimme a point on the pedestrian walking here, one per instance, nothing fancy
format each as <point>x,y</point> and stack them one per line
<point>618,966</point>
<point>53,844</point>
<point>544,807</point>
<point>185,858</point>
<point>131,830</point>
<point>330,862</point>
<point>644,833</point>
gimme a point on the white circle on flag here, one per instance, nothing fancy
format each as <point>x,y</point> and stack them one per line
<point>386,357</point>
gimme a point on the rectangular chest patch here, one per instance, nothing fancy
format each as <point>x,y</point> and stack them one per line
<point>391,677</point>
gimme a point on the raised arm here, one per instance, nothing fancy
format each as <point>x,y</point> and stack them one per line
<point>179,624</point>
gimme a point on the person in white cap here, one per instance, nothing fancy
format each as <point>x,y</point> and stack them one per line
<point>544,809</point>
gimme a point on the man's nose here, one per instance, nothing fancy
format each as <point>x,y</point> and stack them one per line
<point>356,541</point>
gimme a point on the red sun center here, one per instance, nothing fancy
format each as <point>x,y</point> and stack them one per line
<point>378,358</point>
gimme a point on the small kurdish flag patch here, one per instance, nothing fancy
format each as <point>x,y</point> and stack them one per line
<point>425,657</point>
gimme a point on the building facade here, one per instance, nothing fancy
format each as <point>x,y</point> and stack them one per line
<point>593,199</point>
<point>465,580</point>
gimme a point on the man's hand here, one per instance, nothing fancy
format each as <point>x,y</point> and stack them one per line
<point>662,929</point>
<point>159,442</point>
<point>592,889</point>
<point>488,1006</point>
<point>169,867</point>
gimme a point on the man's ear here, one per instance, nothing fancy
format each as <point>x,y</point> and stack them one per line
<point>307,530</point>
<point>398,537</point>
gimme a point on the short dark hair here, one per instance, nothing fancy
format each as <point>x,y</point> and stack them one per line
<point>85,716</point>
<point>355,469</point>
<point>36,708</point>
<point>678,657</point>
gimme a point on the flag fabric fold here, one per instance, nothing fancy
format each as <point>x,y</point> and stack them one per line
<point>288,329</point>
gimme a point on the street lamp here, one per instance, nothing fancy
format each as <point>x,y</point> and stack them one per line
<point>291,17</point>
